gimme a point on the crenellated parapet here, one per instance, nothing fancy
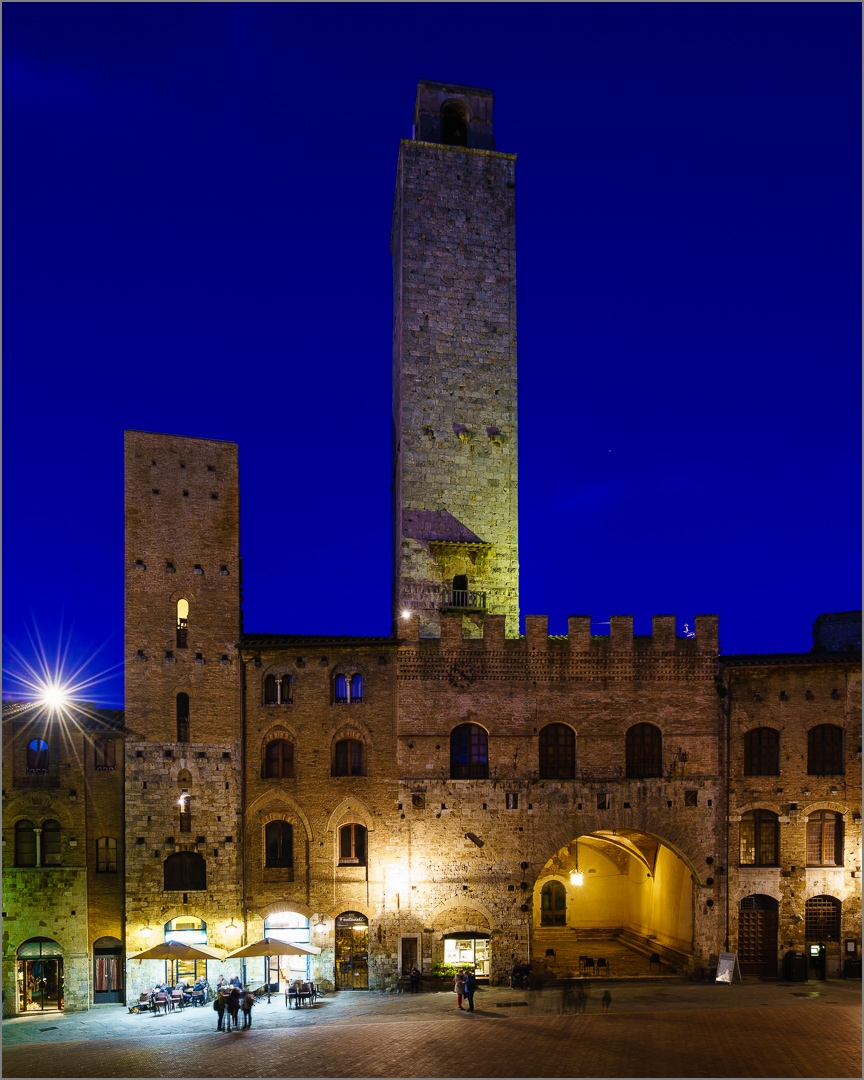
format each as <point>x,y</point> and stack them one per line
<point>537,655</point>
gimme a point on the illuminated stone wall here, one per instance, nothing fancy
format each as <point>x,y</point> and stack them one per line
<point>792,694</point>
<point>454,369</point>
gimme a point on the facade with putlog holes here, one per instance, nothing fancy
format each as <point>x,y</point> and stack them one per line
<point>455,792</point>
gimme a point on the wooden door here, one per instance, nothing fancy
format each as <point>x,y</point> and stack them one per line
<point>409,955</point>
<point>757,935</point>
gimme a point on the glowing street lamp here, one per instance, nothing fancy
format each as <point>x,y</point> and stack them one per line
<point>406,614</point>
<point>576,876</point>
<point>54,696</point>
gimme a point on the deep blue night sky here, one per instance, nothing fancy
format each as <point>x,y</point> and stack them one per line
<point>196,206</point>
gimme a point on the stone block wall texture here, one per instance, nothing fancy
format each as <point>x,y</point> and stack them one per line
<point>182,541</point>
<point>454,379</point>
<point>791,695</point>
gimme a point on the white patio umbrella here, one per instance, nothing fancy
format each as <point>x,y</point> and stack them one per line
<point>178,950</point>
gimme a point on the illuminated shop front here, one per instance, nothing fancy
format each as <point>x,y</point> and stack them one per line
<point>293,928</point>
<point>468,949</point>
<point>352,951</point>
<point>190,931</point>
<point>40,975</point>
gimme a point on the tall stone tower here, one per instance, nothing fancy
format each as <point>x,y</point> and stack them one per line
<point>454,366</point>
<point>183,684</point>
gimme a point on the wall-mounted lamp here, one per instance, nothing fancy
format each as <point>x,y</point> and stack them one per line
<point>576,876</point>
<point>319,923</point>
<point>232,927</point>
<point>146,933</point>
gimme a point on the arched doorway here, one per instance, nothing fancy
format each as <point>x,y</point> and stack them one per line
<point>757,935</point>
<point>191,931</point>
<point>294,928</point>
<point>107,970</point>
<point>352,951</point>
<point>40,975</point>
<point>618,895</point>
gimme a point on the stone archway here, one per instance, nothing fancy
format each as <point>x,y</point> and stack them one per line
<point>628,896</point>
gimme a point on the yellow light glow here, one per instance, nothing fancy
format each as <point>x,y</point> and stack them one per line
<point>146,933</point>
<point>576,877</point>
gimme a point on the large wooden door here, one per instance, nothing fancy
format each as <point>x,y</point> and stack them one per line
<point>409,955</point>
<point>757,935</point>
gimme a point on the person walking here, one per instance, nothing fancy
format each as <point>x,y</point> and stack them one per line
<point>470,989</point>
<point>606,1001</point>
<point>415,981</point>
<point>459,987</point>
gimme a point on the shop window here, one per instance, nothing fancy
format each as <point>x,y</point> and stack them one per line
<point>182,624</point>
<point>553,904</point>
<point>643,747</point>
<point>825,750</point>
<point>183,718</point>
<point>279,759</point>
<point>106,855</point>
<point>278,844</point>
<point>37,756</point>
<point>762,752</point>
<point>825,839</point>
<point>278,690</point>
<point>186,871</point>
<point>51,843</point>
<point>760,838</point>
<point>469,753</point>
<point>352,845</point>
<point>348,758</point>
<point>25,843</point>
<point>106,753</point>
<point>348,689</point>
<point>822,919</point>
<point>557,752</point>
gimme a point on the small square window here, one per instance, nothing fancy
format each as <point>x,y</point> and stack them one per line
<point>226,756</point>
<point>229,839</point>
<point>198,568</point>
<point>691,798</point>
<point>224,571</point>
<point>185,494</point>
<point>140,840</point>
<point>155,491</point>
<point>214,494</point>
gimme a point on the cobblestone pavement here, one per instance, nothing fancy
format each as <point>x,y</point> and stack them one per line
<point>770,1029</point>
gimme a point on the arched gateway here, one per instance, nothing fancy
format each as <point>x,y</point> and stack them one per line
<point>627,896</point>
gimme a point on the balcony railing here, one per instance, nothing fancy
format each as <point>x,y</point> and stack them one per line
<point>463,600</point>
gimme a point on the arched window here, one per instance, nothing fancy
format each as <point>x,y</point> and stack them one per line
<point>182,624</point>
<point>825,839</point>
<point>762,752</point>
<point>37,756</point>
<point>25,843</point>
<point>185,871</point>
<point>348,689</point>
<point>825,750</point>
<point>50,842</point>
<point>557,752</point>
<point>822,919</point>
<point>278,689</point>
<point>454,125</point>
<point>279,759</point>
<point>760,838</point>
<point>469,753</point>
<point>278,844</point>
<point>553,904</point>
<point>185,804</point>
<point>352,845</point>
<point>106,855</point>
<point>644,751</point>
<point>105,754</point>
<point>183,718</point>
<point>348,758</point>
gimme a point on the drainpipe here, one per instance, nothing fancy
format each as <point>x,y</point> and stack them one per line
<point>243,800</point>
<point>727,714</point>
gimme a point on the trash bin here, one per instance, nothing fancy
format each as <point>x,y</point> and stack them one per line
<point>795,966</point>
<point>851,969</point>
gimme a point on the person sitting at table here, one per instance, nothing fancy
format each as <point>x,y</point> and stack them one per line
<point>220,982</point>
<point>236,982</point>
<point>183,991</point>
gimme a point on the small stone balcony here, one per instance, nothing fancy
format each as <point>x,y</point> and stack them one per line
<point>463,600</point>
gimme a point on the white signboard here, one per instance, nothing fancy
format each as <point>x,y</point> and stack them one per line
<point>727,968</point>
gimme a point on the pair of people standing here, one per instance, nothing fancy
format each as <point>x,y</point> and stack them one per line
<point>465,987</point>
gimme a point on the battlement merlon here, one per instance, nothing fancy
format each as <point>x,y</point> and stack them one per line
<point>578,639</point>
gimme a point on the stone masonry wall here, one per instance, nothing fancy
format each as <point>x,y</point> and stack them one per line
<point>454,378</point>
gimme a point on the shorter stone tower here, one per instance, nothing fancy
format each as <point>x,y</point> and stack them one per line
<point>454,367</point>
<point>184,747</point>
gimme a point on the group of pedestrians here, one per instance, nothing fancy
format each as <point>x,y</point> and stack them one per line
<point>465,987</point>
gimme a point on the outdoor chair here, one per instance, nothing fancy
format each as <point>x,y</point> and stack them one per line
<point>307,993</point>
<point>161,1001</point>
<point>292,994</point>
<point>602,962</point>
<point>145,1001</point>
<point>589,963</point>
<point>582,960</point>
